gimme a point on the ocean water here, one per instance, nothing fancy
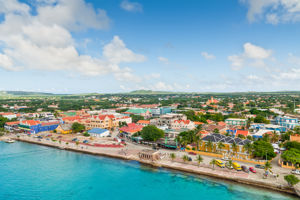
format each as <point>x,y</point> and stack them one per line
<point>30,171</point>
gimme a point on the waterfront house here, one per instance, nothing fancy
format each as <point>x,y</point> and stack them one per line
<point>64,129</point>
<point>98,132</point>
<point>131,129</point>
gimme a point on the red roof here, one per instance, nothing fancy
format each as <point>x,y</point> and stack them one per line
<point>12,123</point>
<point>184,121</point>
<point>30,122</point>
<point>221,123</point>
<point>143,122</point>
<point>242,132</point>
<point>198,123</point>
<point>131,128</point>
<point>9,113</point>
<point>50,123</point>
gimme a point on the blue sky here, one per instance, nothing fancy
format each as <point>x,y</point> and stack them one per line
<point>80,46</point>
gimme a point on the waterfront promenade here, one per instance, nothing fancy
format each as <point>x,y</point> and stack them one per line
<point>130,152</point>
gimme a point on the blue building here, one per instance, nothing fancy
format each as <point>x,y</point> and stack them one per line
<point>287,122</point>
<point>34,127</point>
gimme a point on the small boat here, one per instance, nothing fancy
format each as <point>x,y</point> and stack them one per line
<point>9,141</point>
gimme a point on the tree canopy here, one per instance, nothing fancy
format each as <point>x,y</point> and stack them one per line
<point>152,133</point>
<point>263,150</point>
<point>291,155</point>
<point>77,127</point>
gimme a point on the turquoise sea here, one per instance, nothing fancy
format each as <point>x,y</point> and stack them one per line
<point>30,171</point>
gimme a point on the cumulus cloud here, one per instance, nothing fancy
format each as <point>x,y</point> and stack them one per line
<point>131,6</point>
<point>208,56</point>
<point>44,41</point>
<point>273,11</point>
<point>256,55</point>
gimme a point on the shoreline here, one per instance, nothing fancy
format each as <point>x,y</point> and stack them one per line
<point>170,165</point>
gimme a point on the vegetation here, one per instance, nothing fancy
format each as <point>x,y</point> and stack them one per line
<point>77,127</point>
<point>136,118</point>
<point>185,158</point>
<point>172,156</point>
<point>291,155</point>
<point>263,149</point>
<point>199,159</point>
<point>213,162</point>
<point>152,133</point>
<point>291,179</point>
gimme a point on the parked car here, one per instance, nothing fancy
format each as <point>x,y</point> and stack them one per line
<point>74,139</point>
<point>85,141</point>
<point>192,153</point>
<point>190,159</point>
<point>259,166</point>
<point>245,169</point>
<point>296,171</point>
<point>251,169</point>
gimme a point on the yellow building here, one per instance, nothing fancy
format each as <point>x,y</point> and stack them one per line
<point>64,129</point>
<point>102,121</point>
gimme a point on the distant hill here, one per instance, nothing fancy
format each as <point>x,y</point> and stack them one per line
<point>150,92</point>
<point>24,93</point>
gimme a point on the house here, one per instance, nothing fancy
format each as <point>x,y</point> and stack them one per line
<point>161,111</point>
<point>131,129</point>
<point>11,126</point>
<point>98,132</point>
<point>101,121</point>
<point>212,127</point>
<point>295,138</point>
<point>143,122</point>
<point>167,119</point>
<point>241,132</point>
<point>181,124</point>
<point>34,127</point>
<point>236,122</point>
<point>287,122</point>
<point>64,129</point>
<point>9,115</point>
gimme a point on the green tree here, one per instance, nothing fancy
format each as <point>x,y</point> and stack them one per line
<point>248,148</point>
<point>199,160</point>
<point>172,156</point>
<point>185,158</point>
<point>216,130</point>
<point>234,147</point>
<point>152,133</point>
<point>209,145</point>
<point>291,155</point>
<point>77,127</point>
<point>263,149</point>
<point>220,146</point>
<point>136,118</point>
<point>268,166</point>
<point>213,162</point>
<point>291,180</point>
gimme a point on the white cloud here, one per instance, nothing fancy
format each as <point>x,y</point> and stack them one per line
<point>116,52</point>
<point>163,60</point>
<point>208,56</point>
<point>131,6</point>
<point>32,42</point>
<point>294,59</point>
<point>73,15</point>
<point>273,11</point>
<point>252,54</point>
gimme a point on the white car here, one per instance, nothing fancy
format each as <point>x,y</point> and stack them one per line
<point>296,171</point>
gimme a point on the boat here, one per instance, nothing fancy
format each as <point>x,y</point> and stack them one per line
<point>9,141</point>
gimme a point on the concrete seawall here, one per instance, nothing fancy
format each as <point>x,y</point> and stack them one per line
<point>247,181</point>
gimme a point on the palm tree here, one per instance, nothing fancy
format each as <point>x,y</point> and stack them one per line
<point>268,166</point>
<point>198,140</point>
<point>77,143</point>
<point>274,137</point>
<point>220,146</point>
<point>213,162</point>
<point>230,163</point>
<point>199,159</point>
<point>185,158</point>
<point>249,148</point>
<point>209,145</point>
<point>234,147</point>
<point>172,156</point>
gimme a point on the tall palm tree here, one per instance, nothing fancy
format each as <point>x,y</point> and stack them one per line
<point>220,146</point>
<point>234,147</point>
<point>249,148</point>
<point>172,156</point>
<point>274,137</point>
<point>198,140</point>
<point>209,145</point>
<point>199,159</point>
<point>185,158</point>
<point>268,166</point>
<point>213,162</point>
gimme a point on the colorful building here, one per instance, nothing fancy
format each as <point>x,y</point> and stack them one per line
<point>236,122</point>
<point>34,127</point>
<point>287,122</point>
